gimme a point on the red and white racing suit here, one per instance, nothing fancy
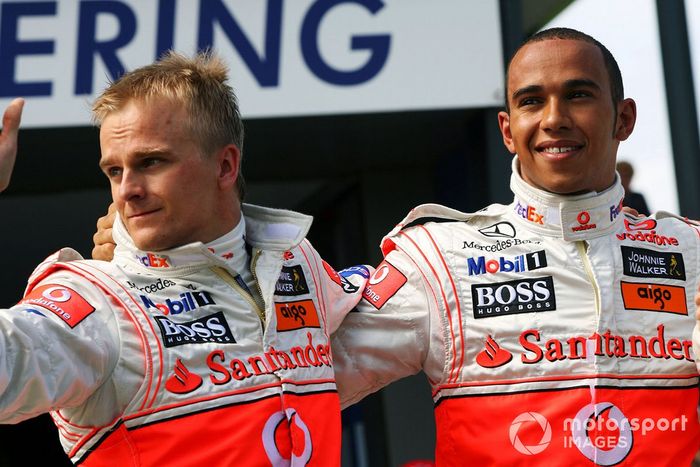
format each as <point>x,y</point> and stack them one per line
<point>553,331</point>
<point>168,358</point>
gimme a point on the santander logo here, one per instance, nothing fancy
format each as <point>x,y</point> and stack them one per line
<point>182,381</point>
<point>493,355</point>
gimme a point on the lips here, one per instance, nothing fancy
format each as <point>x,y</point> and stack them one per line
<point>141,214</point>
<point>558,149</point>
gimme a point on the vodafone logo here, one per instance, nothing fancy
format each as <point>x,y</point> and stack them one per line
<point>379,275</point>
<point>605,453</point>
<point>384,283</point>
<point>62,301</point>
<point>583,218</point>
<point>528,418</point>
<point>57,294</point>
<point>286,419</point>
<point>647,224</point>
<point>643,231</point>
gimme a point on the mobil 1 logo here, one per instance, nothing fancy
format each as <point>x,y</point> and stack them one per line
<point>513,297</point>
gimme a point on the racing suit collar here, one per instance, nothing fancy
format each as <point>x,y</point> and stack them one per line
<point>572,218</point>
<point>265,228</point>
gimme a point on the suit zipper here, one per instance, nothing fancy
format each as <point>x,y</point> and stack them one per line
<point>581,247</point>
<point>253,263</point>
<point>244,292</point>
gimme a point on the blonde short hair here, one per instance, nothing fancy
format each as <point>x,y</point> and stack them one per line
<point>198,82</point>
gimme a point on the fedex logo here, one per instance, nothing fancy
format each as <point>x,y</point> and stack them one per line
<point>615,211</point>
<point>529,213</point>
<point>152,260</point>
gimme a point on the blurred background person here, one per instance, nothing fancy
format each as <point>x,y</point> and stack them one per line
<point>632,198</point>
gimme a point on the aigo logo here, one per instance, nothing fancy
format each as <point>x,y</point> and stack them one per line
<point>296,315</point>
<point>654,297</point>
<point>529,419</point>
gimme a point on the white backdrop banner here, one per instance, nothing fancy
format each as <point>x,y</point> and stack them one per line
<point>287,57</point>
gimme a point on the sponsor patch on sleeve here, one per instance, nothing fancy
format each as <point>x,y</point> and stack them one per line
<point>384,283</point>
<point>341,280</point>
<point>62,301</point>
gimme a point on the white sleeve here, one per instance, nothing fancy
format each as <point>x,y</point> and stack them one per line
<point>59,344</point>
<point>387,337</point>
<point>340,291</point>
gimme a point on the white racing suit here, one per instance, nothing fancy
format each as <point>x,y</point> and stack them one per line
<point>553,331</point>
<point>168,358</point>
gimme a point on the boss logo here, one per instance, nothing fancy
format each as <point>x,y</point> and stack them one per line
<point>212,328</point>
<point>513,297</point>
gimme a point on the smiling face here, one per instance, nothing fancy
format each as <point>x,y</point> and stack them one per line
<point>562,122</point>
<point>166,191</point>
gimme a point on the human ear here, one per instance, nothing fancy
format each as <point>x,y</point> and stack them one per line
<point>626,118</point>
<point>229,164</point>
<point>504,125</point>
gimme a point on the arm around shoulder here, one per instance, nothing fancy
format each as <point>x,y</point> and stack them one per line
<point>386,337</point>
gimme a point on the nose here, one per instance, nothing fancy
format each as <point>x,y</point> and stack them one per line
<point>556,115</point>
<point>131,186</point>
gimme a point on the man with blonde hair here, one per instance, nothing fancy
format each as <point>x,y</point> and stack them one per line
<point>206,340</point>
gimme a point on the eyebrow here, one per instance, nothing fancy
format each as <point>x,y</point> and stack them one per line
<point>104,162</point>
<point>532,89</point>
<point>568,84</point>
